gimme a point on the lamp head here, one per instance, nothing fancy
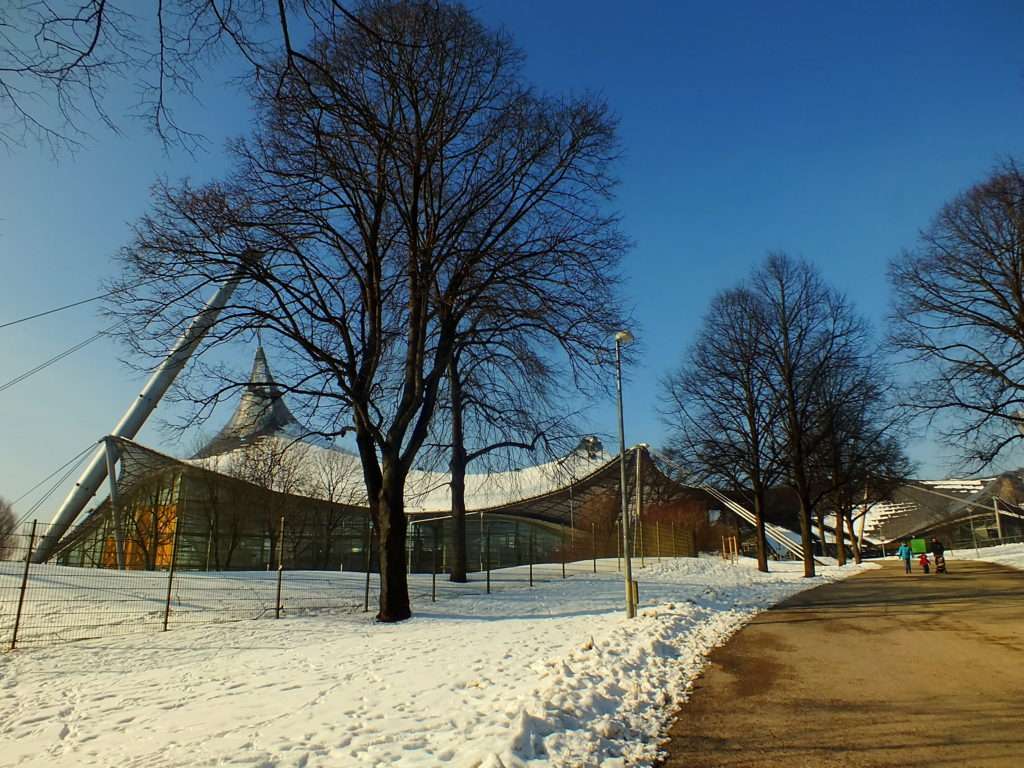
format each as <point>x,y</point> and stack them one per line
<point>623,337</point>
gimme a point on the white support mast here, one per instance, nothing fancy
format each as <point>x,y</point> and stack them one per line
<point>129,425</point>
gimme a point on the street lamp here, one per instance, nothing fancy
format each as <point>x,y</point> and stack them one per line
<point>622,338</point>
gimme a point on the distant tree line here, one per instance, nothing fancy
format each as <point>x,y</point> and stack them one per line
<point>784,386</point>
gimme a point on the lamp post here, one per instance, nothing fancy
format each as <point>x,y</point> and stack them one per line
<point>621,338</point>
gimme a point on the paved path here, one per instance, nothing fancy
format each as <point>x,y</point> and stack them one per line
<point>882,669</point>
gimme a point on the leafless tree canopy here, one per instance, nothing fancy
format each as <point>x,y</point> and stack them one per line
<point>60,59</point>
<point>392,192</point>
<point>719,407</point>
<point>862,459</point>
<point>8,526</point>
<point>783,383</point>
<point>505,400</point>
<point>812,334</point>
<point>959,317</point>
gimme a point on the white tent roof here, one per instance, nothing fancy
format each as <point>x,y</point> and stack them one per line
<point>426,491</point>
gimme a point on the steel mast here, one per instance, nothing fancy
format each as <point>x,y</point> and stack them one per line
<point>129,425</point>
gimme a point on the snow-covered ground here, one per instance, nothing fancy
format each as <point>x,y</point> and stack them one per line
<point>1007,554</point>
<point>553,675</point>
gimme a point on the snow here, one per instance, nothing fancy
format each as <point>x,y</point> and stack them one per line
<point>549,676</point>
<point>1006,554</point>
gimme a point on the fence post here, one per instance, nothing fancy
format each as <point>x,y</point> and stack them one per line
<point>657,533</point>
<point>433,578</point>
<point>170,571</point>
<point>280,568</point>
<point>209,545</point>
<point>675,544</point>
<point>487,538</point>
<point>24,584</point>
<point>369,562</point>
<point>618,545</point>
<point>593,544</point>
<point>531,556</point>
<point>563,553</point>
<point>640,525</point>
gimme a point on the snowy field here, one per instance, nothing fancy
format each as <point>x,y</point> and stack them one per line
<point>1007,554</point>
<point>67,604</point>
<point>548,676</point>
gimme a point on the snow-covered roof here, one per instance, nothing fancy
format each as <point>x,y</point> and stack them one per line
<point>263,429</point>
<point>954,485</point>
<point>426,491</point>
<point>919,505</point>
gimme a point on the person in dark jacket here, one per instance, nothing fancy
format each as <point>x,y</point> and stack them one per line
<point>938,551</point>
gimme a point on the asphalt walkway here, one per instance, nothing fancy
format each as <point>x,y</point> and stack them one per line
<point>882,669</point>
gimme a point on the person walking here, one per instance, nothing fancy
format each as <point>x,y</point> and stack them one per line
<point>904,554</point>
<point>938,550</point>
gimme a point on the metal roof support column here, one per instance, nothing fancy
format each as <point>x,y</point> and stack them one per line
<point>110,452</point>
<point>136,416</point>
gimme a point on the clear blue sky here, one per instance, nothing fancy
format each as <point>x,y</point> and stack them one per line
<point>831,131</point>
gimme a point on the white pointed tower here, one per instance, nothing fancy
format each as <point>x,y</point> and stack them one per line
<point>261,412</point>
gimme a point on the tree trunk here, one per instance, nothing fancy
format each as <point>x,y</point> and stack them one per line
<point>391,522</point>
<point>457,466</point>
<point>805,536</point>
<point>840,546</point>
<point>762,544</point>
<point>854,543</point>
<point>821,533</point>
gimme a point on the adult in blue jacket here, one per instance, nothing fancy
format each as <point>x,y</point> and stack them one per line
<point>904,554</point>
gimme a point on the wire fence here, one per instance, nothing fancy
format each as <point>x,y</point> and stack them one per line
<point>47,603</point>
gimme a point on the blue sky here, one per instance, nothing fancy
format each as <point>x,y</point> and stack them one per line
<point>832,131</point>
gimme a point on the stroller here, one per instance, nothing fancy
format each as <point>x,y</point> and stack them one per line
<point>940,563</point>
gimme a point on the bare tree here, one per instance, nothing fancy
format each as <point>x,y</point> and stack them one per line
<point>498,409</point>
<point>389,190</point>
<point>720,408</point>
<point>958,316</point>
<point>810,331</point>
<point>333,477</point>
<point>861,457</point>
<point>512,357</point>
<point>8,528</point>
<point>276,466</point>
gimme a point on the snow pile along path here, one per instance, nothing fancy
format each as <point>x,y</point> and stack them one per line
<point>1011,555</point>
<point>550,676</point>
